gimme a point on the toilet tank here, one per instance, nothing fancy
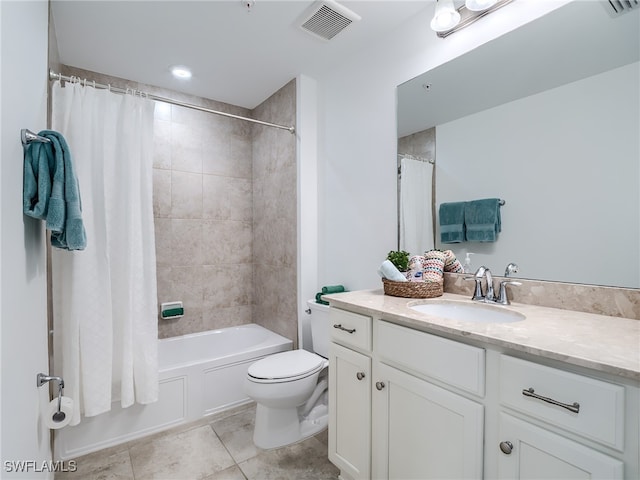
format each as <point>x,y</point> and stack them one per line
<point>319,327</point>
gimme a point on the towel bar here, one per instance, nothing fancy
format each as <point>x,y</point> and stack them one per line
<point>27,137</point>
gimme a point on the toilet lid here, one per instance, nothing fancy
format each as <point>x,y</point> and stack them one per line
<point>285,365</point>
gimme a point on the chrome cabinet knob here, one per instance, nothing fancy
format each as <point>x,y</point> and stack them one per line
<point>506,447</point>
<point>360,375</point>
<point>379,385</point>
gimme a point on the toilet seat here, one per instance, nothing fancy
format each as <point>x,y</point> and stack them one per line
<point>286,367</point>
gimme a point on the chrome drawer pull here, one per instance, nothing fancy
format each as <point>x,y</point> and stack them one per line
<point>360,375</point>
<point>529,392</point>
<point>348,330</point>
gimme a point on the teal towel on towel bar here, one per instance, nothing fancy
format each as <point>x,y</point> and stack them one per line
<point>51,191</point>
<point>36,191</point>
<point>482,220</point>
<point>452,222</point>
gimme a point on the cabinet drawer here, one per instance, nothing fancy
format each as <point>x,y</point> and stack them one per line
<point>350,329</point>
<point>451,362</point>
<point>549,394</point>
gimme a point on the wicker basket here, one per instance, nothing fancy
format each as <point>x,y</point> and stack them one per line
<point>413,289</point>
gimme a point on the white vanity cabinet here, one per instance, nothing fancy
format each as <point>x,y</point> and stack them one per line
<point>577,404</point>
<point>350,394</point>
<point>422,430</point>
<point>407,404</point>
<point>533,452</point>
<point>386,422</point>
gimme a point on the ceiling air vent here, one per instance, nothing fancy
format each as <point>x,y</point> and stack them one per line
<point>620,6</point>
<point>325,19</point>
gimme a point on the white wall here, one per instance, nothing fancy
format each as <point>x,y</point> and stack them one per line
<point>307,152</point>
<point>357,137</point>
<point>584,152</point>
<point>23,325</point>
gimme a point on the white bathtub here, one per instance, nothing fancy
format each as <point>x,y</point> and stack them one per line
<point>200,374</point>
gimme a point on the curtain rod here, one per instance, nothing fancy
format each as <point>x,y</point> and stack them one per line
<point>59,76</point>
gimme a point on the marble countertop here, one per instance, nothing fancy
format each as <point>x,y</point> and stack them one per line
<point>598,342</point>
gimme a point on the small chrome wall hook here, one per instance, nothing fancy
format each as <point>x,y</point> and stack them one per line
<point>27,137</point>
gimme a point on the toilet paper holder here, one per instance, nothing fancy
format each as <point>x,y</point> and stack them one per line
<point>41,379</point>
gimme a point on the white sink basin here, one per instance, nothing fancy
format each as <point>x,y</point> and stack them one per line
<point>468,312</point>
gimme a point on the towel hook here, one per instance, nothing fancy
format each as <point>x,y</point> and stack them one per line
<point>27,137</point>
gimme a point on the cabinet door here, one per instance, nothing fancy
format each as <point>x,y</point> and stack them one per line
<point>535,453</point>
<point>421,431</point>
<point>350,411</point>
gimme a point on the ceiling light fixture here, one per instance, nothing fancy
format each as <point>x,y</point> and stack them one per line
<point>446,16</point>
<point>448,19</point>
<point>180,71</point>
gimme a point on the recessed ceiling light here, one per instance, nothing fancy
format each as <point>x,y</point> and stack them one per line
<point>180,71</point>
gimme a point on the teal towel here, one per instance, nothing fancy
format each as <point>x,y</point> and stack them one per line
<point>332,289</point>
<point>51,191</point>
<point>482,220</point>
<point>38,164</point>
<point>452,222</point>
<point>320,300</point>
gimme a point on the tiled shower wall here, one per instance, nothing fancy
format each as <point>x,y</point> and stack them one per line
<point>275,215</point>
<point>225,212</point>
<point>202,192</point>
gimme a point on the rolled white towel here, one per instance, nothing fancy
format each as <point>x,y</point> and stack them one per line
<point>389,271</point>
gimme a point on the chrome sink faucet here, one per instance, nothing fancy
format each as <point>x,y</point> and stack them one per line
<point>489,297</point>
<point>478,294</point>
<point>503,298</point>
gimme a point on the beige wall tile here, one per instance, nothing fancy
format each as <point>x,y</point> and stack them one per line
<point>186,195</point>
<point>186,242</point>
<point>227,198</point>
<point>227,243</point>
<point>227,286</point>
<point>186,148</point>
<point>161,143</point>
<point>161,192</point>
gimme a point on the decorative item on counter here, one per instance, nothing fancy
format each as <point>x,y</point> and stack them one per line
<point>411,289</point>
<point>389,271</point>
<point>434,265</point>
<point>451,263</point>
<point>400,259</point>
<point>416,268</point>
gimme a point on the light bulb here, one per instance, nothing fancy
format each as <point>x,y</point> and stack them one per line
<point>446,16</point>
<point>479,5</point>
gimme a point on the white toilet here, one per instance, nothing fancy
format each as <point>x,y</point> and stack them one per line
<point>290,388</point>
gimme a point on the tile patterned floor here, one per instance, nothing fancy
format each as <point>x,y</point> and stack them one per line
<point>216,448</point>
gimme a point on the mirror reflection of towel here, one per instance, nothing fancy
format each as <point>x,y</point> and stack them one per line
<point>482,220</point>
<point>452,228</point>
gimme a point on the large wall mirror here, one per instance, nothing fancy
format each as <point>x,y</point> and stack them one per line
<point>547,118</point>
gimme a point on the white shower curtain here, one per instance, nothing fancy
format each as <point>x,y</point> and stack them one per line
<point>416,218</point>
<point>104,298</point>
